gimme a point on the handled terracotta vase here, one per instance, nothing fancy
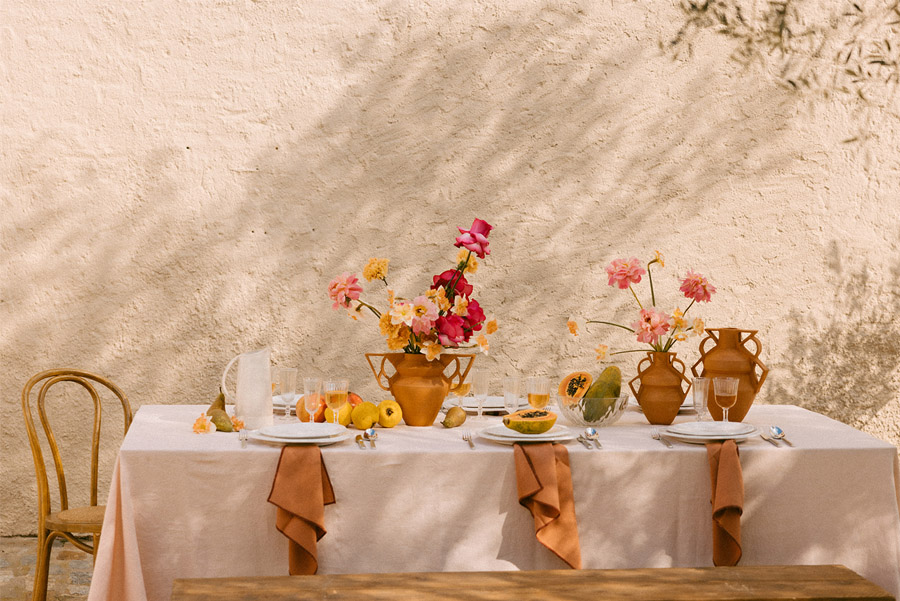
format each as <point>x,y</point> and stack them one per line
<point>731,358</point>
<point>418,385</point>
<point>661,386</point>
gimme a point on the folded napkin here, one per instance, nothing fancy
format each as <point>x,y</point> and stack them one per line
<point>301,490</point>
<point>544,482</point>
<point>727,501</point>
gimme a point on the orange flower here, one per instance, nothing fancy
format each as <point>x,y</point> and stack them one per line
<point>483,343</point>
<point>573,327</point>
<point>491,326</point>
<point>602,352</point>
<point>236,423</point>
<point>203,425</point>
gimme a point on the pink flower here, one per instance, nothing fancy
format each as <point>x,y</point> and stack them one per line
<point>425,313</point>
<point>343,289</point>
<point>474,318</point>
<point>463,288</point>
<point>625,272</point>
<point>651,325</point>
<point>697,287</point>
<point>475,238</point>
<point>450,330</point>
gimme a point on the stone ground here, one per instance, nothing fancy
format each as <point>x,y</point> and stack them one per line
<point>70,570</point>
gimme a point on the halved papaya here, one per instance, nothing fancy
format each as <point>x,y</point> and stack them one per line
<point>574,386</point>
<point>530,421</point>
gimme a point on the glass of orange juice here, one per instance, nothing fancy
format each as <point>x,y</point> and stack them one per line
<point>336,395</point>
<point>538,390</point>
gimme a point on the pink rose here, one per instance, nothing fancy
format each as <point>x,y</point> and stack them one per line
<point>463,288</point>
<point>474,318</point>
<point>450,330</point>
<point>624,273</point>
<point>651,325</point>
<point>343,289</point>
<point>697,287</point>
<point>475,238</point>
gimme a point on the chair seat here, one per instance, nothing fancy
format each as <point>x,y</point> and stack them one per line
<point>88,519</point>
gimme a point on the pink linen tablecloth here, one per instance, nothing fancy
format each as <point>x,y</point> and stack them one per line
<point>193,506</point>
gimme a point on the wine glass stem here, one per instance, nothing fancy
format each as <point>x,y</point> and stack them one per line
<point>725,414</point>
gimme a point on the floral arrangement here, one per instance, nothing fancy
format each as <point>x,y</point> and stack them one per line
<point>657,328</point>
<point>444,316</point>
<point>204,424</point>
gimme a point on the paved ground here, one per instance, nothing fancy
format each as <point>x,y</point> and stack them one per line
<point>70,570</point>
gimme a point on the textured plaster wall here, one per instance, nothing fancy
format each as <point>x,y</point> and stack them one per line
<point>180,181</point>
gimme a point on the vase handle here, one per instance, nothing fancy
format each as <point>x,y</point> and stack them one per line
<point>638,376</point>
<point>703,352</point>
<point>456,370</point>
<point>681,373</point>
<point>380,371</point>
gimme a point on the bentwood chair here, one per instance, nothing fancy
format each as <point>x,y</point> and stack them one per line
<point>68,521</point>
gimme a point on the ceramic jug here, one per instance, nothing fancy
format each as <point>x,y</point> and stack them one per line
<point>730,357</point>
<point>253,389</point>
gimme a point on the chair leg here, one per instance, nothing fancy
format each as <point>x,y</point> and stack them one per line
<point>96,545</point>
<point>42,566</point>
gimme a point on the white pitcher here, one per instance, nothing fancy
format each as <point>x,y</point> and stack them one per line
<point>253,391</point>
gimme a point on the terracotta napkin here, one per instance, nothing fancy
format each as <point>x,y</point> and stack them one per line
<point>301,490</point>
<point>544,482</point>
<point>727,501</point>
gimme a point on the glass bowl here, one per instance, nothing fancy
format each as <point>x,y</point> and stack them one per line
<point>592,412</point>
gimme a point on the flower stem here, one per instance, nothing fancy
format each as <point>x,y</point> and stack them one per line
<point>650,277</point>
<point>689,308</point>
<point>637,350</point>
<point>369,307</point>
<point>451,287</point>
<point>609,323</point>
<point>635,296</point>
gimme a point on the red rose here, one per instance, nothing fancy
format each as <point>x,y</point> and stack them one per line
<point>450,330</point>
<point>463,288</point>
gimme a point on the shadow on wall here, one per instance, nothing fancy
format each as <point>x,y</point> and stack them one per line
<point>846,364</point>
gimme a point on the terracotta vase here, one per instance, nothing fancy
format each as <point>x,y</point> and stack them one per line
<point>418,385</point>
<point>661,388</point>
<point>731,358</point>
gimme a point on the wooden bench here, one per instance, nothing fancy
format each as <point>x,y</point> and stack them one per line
<point>694,584</point>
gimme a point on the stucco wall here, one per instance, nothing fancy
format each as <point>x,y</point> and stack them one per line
<point>182,179</point>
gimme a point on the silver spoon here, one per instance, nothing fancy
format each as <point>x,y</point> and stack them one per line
<point>360,442</point>
<point>779,434</point>
<point>584,441</point>
<point>592,434</point>
<point>371,435</point>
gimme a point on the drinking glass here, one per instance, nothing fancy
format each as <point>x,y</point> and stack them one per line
<point>511,393</point>
<point>538,390</point>
<point>461,391</point>
<point>481,380</point>
<point>336,395</point>
<point>287,383</point>
<point>312,392</point>
<point>700,387</point>
<point>726,394</point>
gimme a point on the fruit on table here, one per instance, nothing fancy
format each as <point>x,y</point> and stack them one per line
<point>344,415</point>
<point>219,403</point>
<point>456,416</point>
<point>221,420</point>
<point>353,399</point>
<point>303,414</point>
<point>530,421</point>
<point>365,415</point>
<point>574,386</point>
<point>602,394</point>
<point>389,413</point>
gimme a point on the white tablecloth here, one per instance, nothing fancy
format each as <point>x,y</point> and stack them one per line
<point>183,505</point>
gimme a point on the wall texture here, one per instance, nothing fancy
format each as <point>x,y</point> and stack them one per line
<point>182,179</point>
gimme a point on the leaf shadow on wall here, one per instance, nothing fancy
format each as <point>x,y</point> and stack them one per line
<point>845,364</point>
<point>561,138</point>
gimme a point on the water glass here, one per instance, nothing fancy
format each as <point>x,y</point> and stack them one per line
<point>700,388</point>
<point>481,380</point>
<point>511,393</point>
<point>538,389</point>
<point>312,396</point>
<point>287,384</point>
<point>726,394</point>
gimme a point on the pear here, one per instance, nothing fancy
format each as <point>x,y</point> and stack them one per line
<point>221,420</point>
<point>219,403</point>
<point>456,416</point>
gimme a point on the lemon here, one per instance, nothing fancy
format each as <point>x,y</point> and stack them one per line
<point>365,415</point>
<point>343,415</point>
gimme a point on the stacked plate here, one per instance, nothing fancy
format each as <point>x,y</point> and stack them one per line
<point>502,434</point>
<point>302,433</point>
<point>703,432</point>
<point>492,404</point>
<point>687,407</point>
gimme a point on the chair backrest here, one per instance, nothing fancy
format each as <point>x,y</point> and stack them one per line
<point>43,382</point>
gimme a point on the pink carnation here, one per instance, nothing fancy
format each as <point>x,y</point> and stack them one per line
<point>697,287</point>
<point>475,238</point>
<point>343,289</point>
<point>651,325</point>
<point>426,312</point>
<point>625,272</point>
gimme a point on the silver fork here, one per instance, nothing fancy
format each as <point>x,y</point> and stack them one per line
<point>242,436</point>
<point>654,432</point>
<point>467,436</point>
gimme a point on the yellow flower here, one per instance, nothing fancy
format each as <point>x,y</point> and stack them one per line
<point>573,327</point>
<point>483,343</point>
<point>399,339</point>
<point>390,298</point>
<point>203,425</point>
<point>491,326</point>
<point>678,320</point>
<point>602,352</point>
<point>472,267</point>
<point>403,313</point>
<point>657,257</point>
<point>698,328</point>
<point>460,306</point>
<point>439,297</point>
<point>433,350</point>
<point>681,336</point>
<point>376,269</point>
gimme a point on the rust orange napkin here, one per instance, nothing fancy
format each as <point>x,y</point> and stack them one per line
<point>544,481</point>
<point>301,490</point>
<point>727,501</point>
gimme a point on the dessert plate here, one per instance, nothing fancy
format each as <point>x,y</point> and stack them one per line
<point>502,434</point>
<point>302,430</point>
<point>319,441</point>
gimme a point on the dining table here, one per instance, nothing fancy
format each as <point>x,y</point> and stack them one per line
<point>187,505</point>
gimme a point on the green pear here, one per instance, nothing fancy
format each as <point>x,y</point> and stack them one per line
<point>219,403</point>
<point>221,420</point>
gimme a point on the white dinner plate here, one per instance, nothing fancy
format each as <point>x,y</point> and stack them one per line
<point>708,429</point>
<point>687,407</point>
<point>491,404</point>
<point>321,441</point>
<point>500,433</point>
<point>302,430</point>
<point>711,438</point>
